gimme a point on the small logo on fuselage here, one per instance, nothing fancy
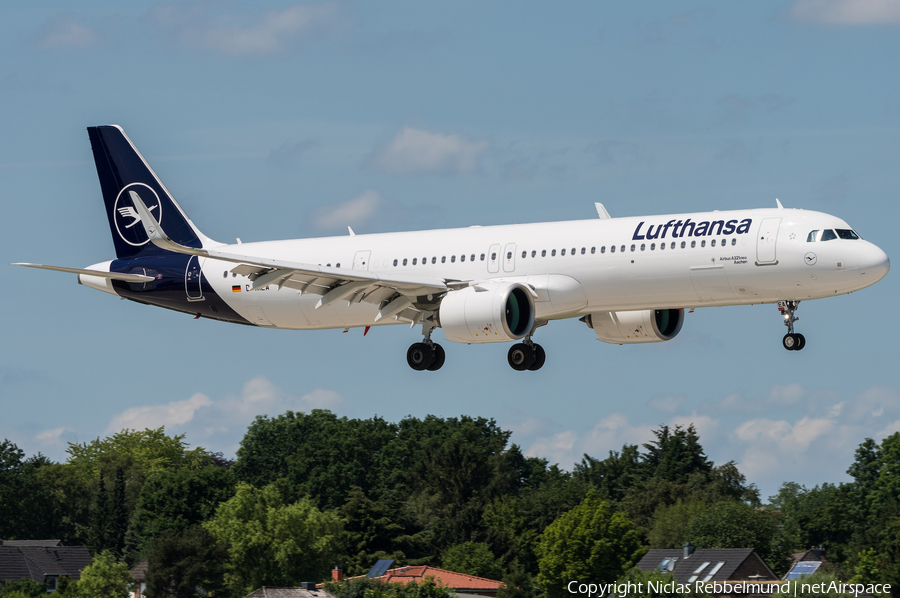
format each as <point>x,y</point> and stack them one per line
<point>126,217</point>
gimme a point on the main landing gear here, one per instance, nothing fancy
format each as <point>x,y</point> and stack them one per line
<point>792,341</point>
<point>527,355</point>
<point>426,355</point>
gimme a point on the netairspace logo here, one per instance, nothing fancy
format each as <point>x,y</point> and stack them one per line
<point>786,588</point>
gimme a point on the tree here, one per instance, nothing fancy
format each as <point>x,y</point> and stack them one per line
<point>670,524</point>
<point>186,564</point>
<point>151,450</point>
<point>473,558</point>
<point>24,506</point>
<point>26,588</point>
<point>613,476</point>
<point>176,500</point>
<point>733,524</point>
<point>589,542</point>
<point>272,541</point>
<point>105,577</point>
<point>675,454</point>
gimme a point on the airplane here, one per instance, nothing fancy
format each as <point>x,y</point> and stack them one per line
<point>629,279</point>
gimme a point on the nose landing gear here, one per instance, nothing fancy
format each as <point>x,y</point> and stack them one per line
<point>792,341</point>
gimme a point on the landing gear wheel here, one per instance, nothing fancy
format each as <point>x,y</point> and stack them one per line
<point>419,356</point>
<point>439,356</point>
<point>791,342</point>
<point>801,341</point>
<point>539,358</point>
<point>520,357</point>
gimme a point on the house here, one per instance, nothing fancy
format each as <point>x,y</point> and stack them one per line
<point>460,583</point>
<point>139,575</point>
<point>691,564</point>
<point>43,561</point>
<point>806,562</point>
<point>308,591</point>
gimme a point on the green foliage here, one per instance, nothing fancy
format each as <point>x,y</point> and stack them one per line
<point>675,454</point>
<point>613,476</point>
<point>670,524</point>
<point>272,541</point>
<point>515,522</point>
<point>25,588</point>
<point>151,450</point>
<point>373,588</point>
<point>866,570</point>
<point>105,577</point>
<point>663,581</point>
<point>589,542</point>
<point>732,524</point>
<point>473,558</point>
<point>176,500</point>
<point>186,564</point>
<point>24,509</point>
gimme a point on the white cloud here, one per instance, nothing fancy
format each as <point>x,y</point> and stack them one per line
<point>52,437</point>
<point>847,12</point>
<point>220,424</point>
<point>414,151</point>
<point>268,32</point>
<point>153,416</point>
<point>64,32</point>
<point>556,448</point>
<point>351,212</point>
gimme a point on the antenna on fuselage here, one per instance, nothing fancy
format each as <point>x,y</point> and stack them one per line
<point>778,203</point>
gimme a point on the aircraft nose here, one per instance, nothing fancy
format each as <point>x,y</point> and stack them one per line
<point>873,263</point>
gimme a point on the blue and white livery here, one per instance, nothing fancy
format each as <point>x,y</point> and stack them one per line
<point>628,279</point>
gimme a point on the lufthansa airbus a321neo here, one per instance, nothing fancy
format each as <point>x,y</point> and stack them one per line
<point>628,279</point>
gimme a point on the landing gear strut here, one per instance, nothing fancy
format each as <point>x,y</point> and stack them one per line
<point>792,341</point>
<point>526,355</point>
<point>426,355</point>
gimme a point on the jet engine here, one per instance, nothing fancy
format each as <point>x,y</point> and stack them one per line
<point>487,313</point>
<point>631,327</point>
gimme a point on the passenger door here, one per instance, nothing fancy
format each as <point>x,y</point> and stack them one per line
<point>766,240</point>
<point>509,258</point>
<point>494,258</point>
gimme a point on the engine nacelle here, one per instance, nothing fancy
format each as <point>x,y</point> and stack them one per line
<point>487,313</point>
<point>631,327</point>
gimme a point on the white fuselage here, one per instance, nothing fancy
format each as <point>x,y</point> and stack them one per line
<point>662,263</point>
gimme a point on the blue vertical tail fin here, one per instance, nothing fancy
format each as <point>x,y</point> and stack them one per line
<point>123,171</point>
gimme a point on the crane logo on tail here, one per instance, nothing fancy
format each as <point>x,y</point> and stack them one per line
<point>126,217</point>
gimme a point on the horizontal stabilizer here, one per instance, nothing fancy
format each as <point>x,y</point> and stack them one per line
<point>112,275</point>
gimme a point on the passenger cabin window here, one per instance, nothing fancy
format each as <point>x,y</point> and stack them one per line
<point>652,246</point>
<point>693,244</point>
<point>828,235</point>
<point>734,241</point>
<point>482,257</point>
<point>573,251</point>
<point>443,259</point>
<point>632,247</point>
<point>404,261</point>
<point>493,257</point>
<point>593,250</point>
<point>415,259</point>
<point>472,258</point>
<point>643,246</point>
<point>509,255</point>
<point>434,260</point>
<point>452,259</point>
<point>846,233</point>
<point>583,251</point>
<point>622,249</point>
<point>533,252</point>
<point>811,237</point>
<point>462,258</point>
<point>543,253</point>
<point>524,254</point>
<point>563,252</point>
<point>612,248</point>
<point>395,262</point>
<point>553,253</point>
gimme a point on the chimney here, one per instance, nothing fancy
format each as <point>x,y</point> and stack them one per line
<point>337,574</point>
<point>688,549</point>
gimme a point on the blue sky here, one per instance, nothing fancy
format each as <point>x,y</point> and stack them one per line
<point>283,120</point>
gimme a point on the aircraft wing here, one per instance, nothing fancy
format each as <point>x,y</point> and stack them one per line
<point>113,275</point>
<point>393,292</point>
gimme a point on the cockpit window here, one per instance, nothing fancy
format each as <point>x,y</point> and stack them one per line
<point>846,233</point>
<point>828,235</point>
<point>811,238</point>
